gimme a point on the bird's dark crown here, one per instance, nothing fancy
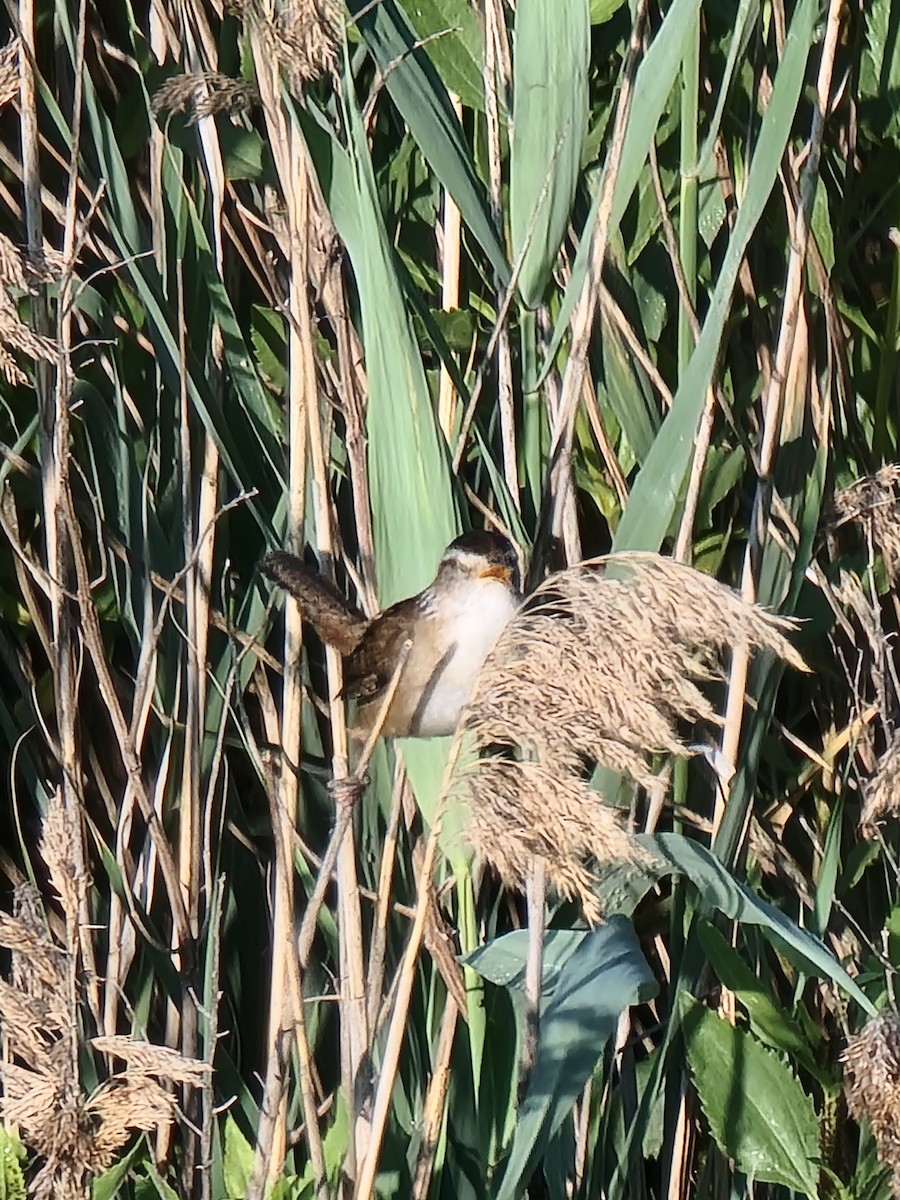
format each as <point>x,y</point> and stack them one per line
<point>493,549</point>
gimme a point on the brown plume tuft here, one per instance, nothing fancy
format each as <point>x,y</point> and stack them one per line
<point>881,792</point>
<point>872,1084</point>
<point>203,94</point>
<point>302,36</point>
<point>603,665</point>
<point>873,503</point>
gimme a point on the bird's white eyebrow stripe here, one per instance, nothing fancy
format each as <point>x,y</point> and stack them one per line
<point>466,558</point>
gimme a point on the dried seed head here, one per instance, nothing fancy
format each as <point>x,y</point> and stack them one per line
<point>143,1058</point>
<point>203,94</point>
<point>301,36</point>
<point>59,840</point>
<point>872,1084</point>
<point>874,504</point>
<point>74,1136</point>
<point>595,669</point>
<point>9,71</point>
<point>881,793</point>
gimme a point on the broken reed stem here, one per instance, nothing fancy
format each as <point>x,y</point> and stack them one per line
<point>435,1104</point>
<point>774,398</point>
<point>405,980</point>
<point>536,896</point>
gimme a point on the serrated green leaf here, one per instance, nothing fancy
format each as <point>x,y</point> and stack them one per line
<point>879,76</point>
<point>757,1111</point>
<point>769,1022</point>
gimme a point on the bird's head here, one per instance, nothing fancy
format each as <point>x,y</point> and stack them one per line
<point>481,555</point>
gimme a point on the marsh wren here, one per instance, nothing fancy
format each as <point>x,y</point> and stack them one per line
<point>451,627</point>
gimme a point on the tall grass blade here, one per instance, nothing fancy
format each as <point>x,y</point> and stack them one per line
<point>550,117</point>
<point>422,101</point>
<point>653,83</point>
<point>654,497</point>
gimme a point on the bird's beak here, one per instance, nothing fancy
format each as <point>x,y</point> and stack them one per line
<point>504,574</point>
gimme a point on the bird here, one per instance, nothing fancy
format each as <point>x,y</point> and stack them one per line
<point>450,626</point>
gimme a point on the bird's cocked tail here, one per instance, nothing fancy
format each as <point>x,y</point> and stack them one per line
<point>333,618</point>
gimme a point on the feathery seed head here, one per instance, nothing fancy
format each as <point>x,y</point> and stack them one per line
<point>598,667</point>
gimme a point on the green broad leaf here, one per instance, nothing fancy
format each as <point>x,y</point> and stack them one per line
<point>718,889</point>
<point>456,45</point>
<point>551,52</point>
<point>152,1186</point>
<point>413,505</point>
<point>826,884</point>
<point>422,101</point>
<point>12,1155</point>
<point>605,975</point>
<point>335,1144</point>
<point>238,1160</point>
<point>654,497</point>
<point>602,10</point>
<point>757,1111</point>
<point>879,76</point>
<point>821,226</point>
<point>769,1022</point>
<point>268,337</point>
<point>243,151</point>
<point>502,961</point>
<point>109,1184</point>
<point>414,514</point>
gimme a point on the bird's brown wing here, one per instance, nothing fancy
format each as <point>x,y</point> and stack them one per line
<point>370,668</point>
<point>334,619</point>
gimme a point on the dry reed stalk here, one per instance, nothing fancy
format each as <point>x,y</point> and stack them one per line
<point>378,939</point>
<point>202,57</point>
<point>74,1135</point>
<point>435,1104</point>
<point>365,1185</point>
<point>451,246</point>
<point>494,35</point>
<point>872,1085</point>
<point>774,395</point>
<point>599,666</point>
<point>582,322</point>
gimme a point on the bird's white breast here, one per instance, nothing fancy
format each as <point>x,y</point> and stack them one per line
<point>472,617</point>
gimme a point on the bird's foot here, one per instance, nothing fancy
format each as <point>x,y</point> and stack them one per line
<point>348,790</point>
